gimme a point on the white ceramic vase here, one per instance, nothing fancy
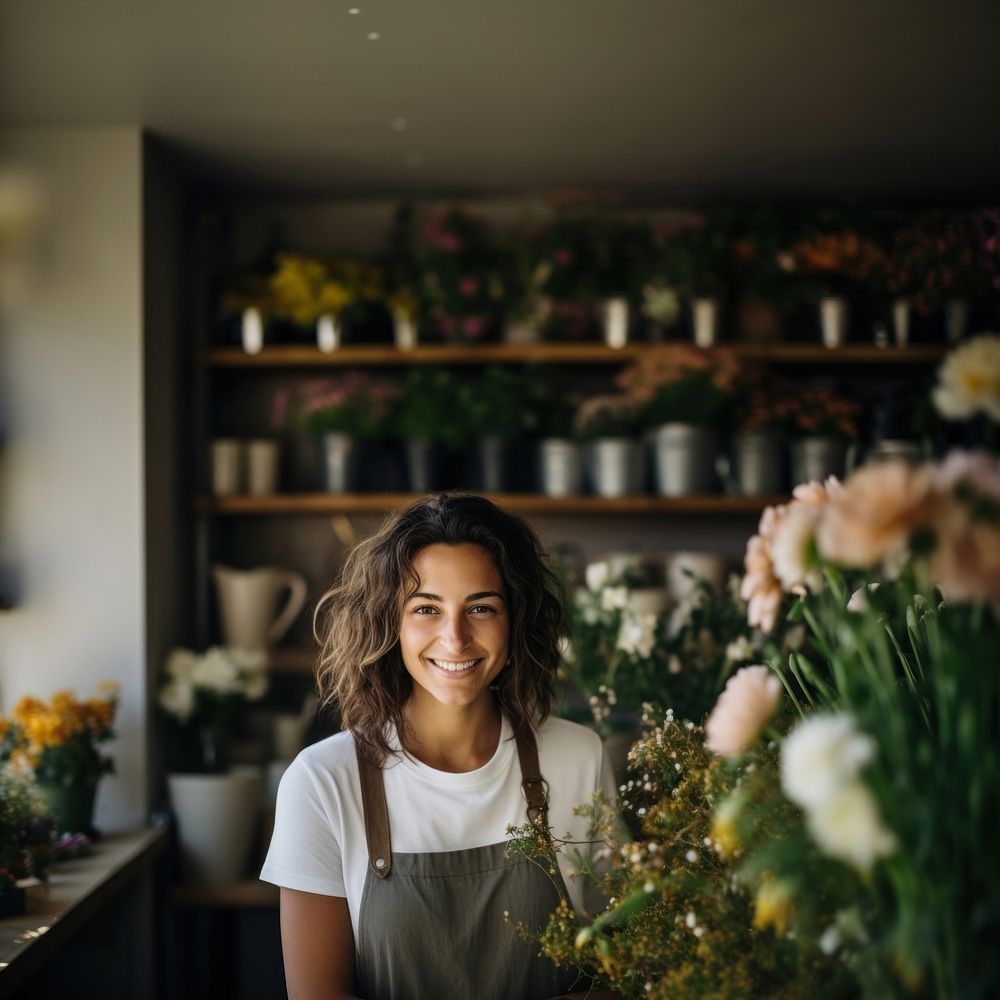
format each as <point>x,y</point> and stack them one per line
<point>216,819</point>
<point>705,316</point>
<point>248,604</point>
<point>833,313</point>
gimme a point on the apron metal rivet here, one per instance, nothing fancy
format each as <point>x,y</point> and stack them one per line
<point>380,862</point>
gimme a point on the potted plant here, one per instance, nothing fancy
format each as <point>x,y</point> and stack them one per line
<point>59,741</point>
<point>327,295</point>
<point>939,265</point>
<point>495,406</point>
<point>763,411</point>
<point>609,427</point>
<point>684,395</point>
<point>342,412</point>
<point>27,835</point>
<point>429,421</point>
<point>833,266</point>
<point>696,260</point>
<point>200,697</point>
<point>459,286</point>
<point>553,403</point>
<point>823,424</point>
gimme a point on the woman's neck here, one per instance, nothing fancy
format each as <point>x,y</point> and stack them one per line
<point>454,738</point>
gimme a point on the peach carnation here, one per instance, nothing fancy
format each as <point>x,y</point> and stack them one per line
<point>872,519</point>
<point>750,699</point>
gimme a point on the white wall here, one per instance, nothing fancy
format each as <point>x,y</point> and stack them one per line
<point>71,416</point>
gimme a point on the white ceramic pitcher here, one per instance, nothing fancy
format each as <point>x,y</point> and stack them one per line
<point>248,604</point>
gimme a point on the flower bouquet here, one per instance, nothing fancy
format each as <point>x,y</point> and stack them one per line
<point>200,698</point>
<point>677,383</point>
<point>832,263</point>
<point>894,703</point>
<point>27,836</point>
<point>59,743</point>
<point>459,286</point>
<point>353,403</point>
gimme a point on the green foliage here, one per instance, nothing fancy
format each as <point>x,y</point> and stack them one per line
<point>429,407</point>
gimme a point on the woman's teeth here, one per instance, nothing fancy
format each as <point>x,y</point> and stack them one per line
<point>454,667</point>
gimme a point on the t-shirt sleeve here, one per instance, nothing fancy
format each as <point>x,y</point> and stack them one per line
<point>305,850</point>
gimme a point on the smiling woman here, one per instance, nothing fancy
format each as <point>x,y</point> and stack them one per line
<point>440,646</point>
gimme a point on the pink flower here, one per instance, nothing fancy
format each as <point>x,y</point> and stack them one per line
<point>792,549</point>
<point>744,708</point>
<point>760,587</point>
<point>473,326</point>
<point>468,286</point>
<point>873,518</point>
<point>816,494</point>
<point>279,407</point>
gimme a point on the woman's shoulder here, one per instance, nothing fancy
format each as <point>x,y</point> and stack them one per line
<point>568,737</point>
<point>329,756</point>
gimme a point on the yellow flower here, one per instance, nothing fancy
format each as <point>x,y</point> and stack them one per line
<point>724,832</point>
<point>773,905</point>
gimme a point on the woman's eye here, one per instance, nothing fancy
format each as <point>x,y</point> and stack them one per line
<point>483,609</point>
<point>425,609</point>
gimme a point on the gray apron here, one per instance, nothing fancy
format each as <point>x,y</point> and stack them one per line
<point>432,926</point>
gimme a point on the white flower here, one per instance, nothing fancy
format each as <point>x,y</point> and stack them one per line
<point>969,380</point>
<point>177,698</point>
<point>215,671</point>
<point>598,576</point>
<point>847,826</point>
<point>859,599</point>
<point>180,663</point>
<point>740,650</point>
<point>637,634</point>
<point>822,754</point>
<point>613,598</point>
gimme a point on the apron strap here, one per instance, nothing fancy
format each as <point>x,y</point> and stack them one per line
<point>376,815</point>
<point>534,786</point>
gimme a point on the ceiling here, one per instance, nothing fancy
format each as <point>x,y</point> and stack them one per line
<point>646,99</point>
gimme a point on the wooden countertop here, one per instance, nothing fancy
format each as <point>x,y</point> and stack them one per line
<point>76,889</point>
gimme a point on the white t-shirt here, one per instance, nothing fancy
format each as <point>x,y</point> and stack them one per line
<point>319,843</point>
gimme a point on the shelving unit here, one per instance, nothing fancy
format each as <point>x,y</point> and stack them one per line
<point>525,503</point>
<point>304,356</point>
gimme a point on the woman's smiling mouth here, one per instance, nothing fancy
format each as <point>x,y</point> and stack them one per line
<point>456,666</point>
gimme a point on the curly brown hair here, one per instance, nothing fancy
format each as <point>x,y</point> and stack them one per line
<point>357,620</point>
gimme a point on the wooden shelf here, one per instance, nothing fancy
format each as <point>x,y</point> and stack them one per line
<point>304,356</point>
<point>525,503</point>
<point>239,895</point>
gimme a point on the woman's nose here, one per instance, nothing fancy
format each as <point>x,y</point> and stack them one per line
<point>456,633</point>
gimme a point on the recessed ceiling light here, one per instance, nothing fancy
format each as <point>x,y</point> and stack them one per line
<point>354,10</point>
<point>398,125</point>
<point>372,36</point>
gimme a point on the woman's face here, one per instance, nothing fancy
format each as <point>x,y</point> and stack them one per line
<point>455,629</point>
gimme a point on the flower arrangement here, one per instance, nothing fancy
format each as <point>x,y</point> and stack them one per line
<point>495,403</point>
<point>678,922</point>
<point>351,403</point>
<point>833,263</point>
<point>27,832</point>
<point>819,410</point>
<point>460,285</point>
<point>59,741</point>
<point>695,259</point>
<point>607,416</point>
<point>940,256</point>
<point>871,766</point>
<point>200,696</point>
<point>681,383</point>
<point>621,656</point>
<point>305,288</point>
<point>427,407</point>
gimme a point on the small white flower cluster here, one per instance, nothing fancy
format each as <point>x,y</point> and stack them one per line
<point>218,672</point>
<point>602,703</point>
<point>821,760</point>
